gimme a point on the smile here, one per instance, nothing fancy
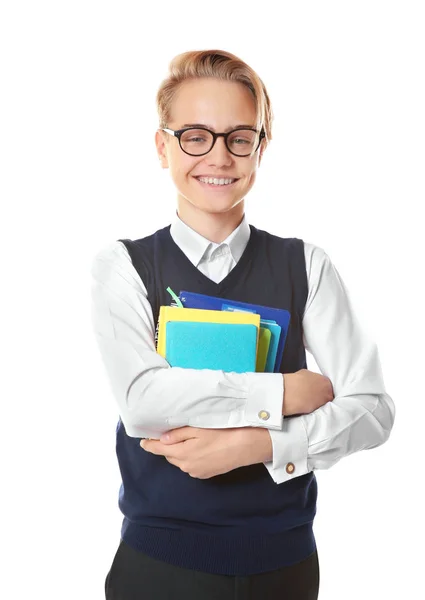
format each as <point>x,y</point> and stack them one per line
<point>213,186</point>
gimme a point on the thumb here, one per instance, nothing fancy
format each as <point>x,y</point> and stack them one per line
<point>177,435</point>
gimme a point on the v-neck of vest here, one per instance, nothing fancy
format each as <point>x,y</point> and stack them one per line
<point>232,275</point>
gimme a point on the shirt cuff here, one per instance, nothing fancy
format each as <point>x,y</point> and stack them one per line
<point>264,400</point>
<point>290,448</point>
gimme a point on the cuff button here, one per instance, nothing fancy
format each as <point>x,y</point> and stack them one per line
<point>290,468</point>
<point>263,414</point>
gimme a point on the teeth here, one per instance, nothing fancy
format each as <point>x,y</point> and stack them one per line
<point>215,181</point>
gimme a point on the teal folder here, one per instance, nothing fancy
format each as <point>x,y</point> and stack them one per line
<point>227,347</point>
<point>275,330</point>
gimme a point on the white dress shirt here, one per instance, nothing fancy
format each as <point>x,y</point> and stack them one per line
<point>153,397</point>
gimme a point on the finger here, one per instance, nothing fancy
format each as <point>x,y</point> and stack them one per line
<point>180,434</point>
<point>173,461</point>
<point>149,446</point>
<point>180,464</point>
<point>156,447</point>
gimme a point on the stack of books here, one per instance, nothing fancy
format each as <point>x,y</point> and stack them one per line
<point>207,332</point>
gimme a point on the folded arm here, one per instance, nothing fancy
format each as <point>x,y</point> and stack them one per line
<point>362,414</point>
<point>153,397</point>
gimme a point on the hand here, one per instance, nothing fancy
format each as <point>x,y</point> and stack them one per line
<point>305,391</point>
<point>203,453</point>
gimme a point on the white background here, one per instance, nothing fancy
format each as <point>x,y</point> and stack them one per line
<point>79,168</point>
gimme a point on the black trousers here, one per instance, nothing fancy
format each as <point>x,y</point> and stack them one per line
<point>136,576</point>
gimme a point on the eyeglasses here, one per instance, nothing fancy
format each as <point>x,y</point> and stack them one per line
<point>197,141</point>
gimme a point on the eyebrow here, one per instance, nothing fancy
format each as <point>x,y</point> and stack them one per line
<point>250,126</point>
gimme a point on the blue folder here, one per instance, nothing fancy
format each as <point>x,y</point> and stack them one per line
<point>280,316</point>
<point>228,347</point>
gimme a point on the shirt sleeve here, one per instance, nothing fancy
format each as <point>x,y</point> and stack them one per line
<point>153,397</point>
<point>362,414</point>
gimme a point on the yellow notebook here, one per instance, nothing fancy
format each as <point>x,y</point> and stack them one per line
<point>174,313</point>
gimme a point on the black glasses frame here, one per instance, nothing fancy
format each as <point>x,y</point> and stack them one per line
<point>178,132</point>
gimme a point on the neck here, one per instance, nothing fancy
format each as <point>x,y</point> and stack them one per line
<point>215,227</point>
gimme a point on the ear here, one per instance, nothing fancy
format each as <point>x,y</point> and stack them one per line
<point>260,156</point>
<point>161,149</point>
<point>261,152</point>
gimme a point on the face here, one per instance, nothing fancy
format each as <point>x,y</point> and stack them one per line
<point>220,106</point>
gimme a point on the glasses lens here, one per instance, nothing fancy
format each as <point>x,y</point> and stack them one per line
<point>196,141</point>
<point>243,141</point>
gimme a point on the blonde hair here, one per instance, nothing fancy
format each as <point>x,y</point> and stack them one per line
<point>217,64</point>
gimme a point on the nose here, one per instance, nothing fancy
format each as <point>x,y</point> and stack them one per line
<point>219,153</point>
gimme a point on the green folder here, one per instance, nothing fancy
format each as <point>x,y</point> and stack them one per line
<point>263,349</point>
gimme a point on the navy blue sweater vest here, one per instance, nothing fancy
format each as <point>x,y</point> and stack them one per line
<point>240,522</point>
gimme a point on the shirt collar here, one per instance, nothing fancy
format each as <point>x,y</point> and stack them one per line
<point>194,245</point>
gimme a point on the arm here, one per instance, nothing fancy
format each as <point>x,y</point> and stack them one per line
<point>153,397</point>
<point>362,414</point>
